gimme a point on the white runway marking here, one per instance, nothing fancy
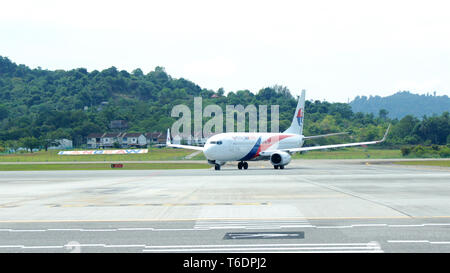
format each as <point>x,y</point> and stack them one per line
<point>64,229</point>
<point>418,241</point>
<point>408,241</point>
<point>406,225</point>
<point>251,224</point>
<point>334,226</point>
<point>27,230</point>
<point>369,225</point>
<point>136,229</point>
<point>98,230</point>
<point>124,246</point>
<point>12,246</point>
<point>259,245</point>
<point>230,224</point>
<point>436,224</point>
<point>322,248</point>
<point>41,247</point>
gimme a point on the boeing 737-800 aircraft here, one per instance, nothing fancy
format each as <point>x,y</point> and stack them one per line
<point>275,147</point>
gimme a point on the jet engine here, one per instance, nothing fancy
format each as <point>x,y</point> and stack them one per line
<point>280,158</point>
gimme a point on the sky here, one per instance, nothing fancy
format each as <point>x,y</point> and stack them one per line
<point>335,50</point>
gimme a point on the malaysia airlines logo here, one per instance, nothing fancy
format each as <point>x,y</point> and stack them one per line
<point>300,117</point>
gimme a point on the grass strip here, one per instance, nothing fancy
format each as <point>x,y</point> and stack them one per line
<point>101,166</point>
<point>154,154</point>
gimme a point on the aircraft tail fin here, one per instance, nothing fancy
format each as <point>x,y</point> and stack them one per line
<point>297,121</point>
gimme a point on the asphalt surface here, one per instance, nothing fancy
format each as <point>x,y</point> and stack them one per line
<point>338,206</point>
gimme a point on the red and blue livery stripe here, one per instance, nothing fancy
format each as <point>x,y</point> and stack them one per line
<point>300,117</point>
<point>261,147</point>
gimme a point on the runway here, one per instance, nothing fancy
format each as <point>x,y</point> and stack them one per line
<point>338,206</point>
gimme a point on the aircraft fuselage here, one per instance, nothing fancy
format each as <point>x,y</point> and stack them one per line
<point>248,146</point>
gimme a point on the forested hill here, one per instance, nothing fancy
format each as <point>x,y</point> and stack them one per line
<point>401,104</point>
<point>74,103</point>
<point>38,106</point>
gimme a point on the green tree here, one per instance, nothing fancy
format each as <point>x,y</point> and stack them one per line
<point>30,143</point>
<point>383,114</point>
<point>12,145</point>
<point>3,112</point>
<point>48,140</point>
<point>220,92</point>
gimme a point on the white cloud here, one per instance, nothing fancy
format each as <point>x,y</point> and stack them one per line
<point>217,67</point>
<point>334,49</point>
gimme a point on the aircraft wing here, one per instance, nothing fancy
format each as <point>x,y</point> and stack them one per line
<point>198,148</point>
<point>301,149</point>
<point>326,135</point>
<point>169,144</point>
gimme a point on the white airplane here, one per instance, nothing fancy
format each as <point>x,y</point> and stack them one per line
<point>275,147</point>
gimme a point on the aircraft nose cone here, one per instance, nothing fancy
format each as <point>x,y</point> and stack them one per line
<point>207,152</point>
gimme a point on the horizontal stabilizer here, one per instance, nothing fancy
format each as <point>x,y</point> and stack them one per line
<point>189,147</point>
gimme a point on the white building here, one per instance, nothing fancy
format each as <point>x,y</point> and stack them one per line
<point>62,144</point>
<point>93,140</point>
<point>134,140</point>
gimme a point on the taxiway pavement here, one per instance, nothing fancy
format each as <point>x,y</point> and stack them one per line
<point>340,205</point>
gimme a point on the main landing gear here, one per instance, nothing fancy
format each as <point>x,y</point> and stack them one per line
<point>217,167</point>
<point>242,164</point>
<point>276,167</point>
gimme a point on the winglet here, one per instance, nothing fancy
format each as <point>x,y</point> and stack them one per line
<point>385,134</point>
<point>168,137</point>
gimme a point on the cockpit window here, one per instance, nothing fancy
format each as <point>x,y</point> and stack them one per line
<point>216,142</point>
